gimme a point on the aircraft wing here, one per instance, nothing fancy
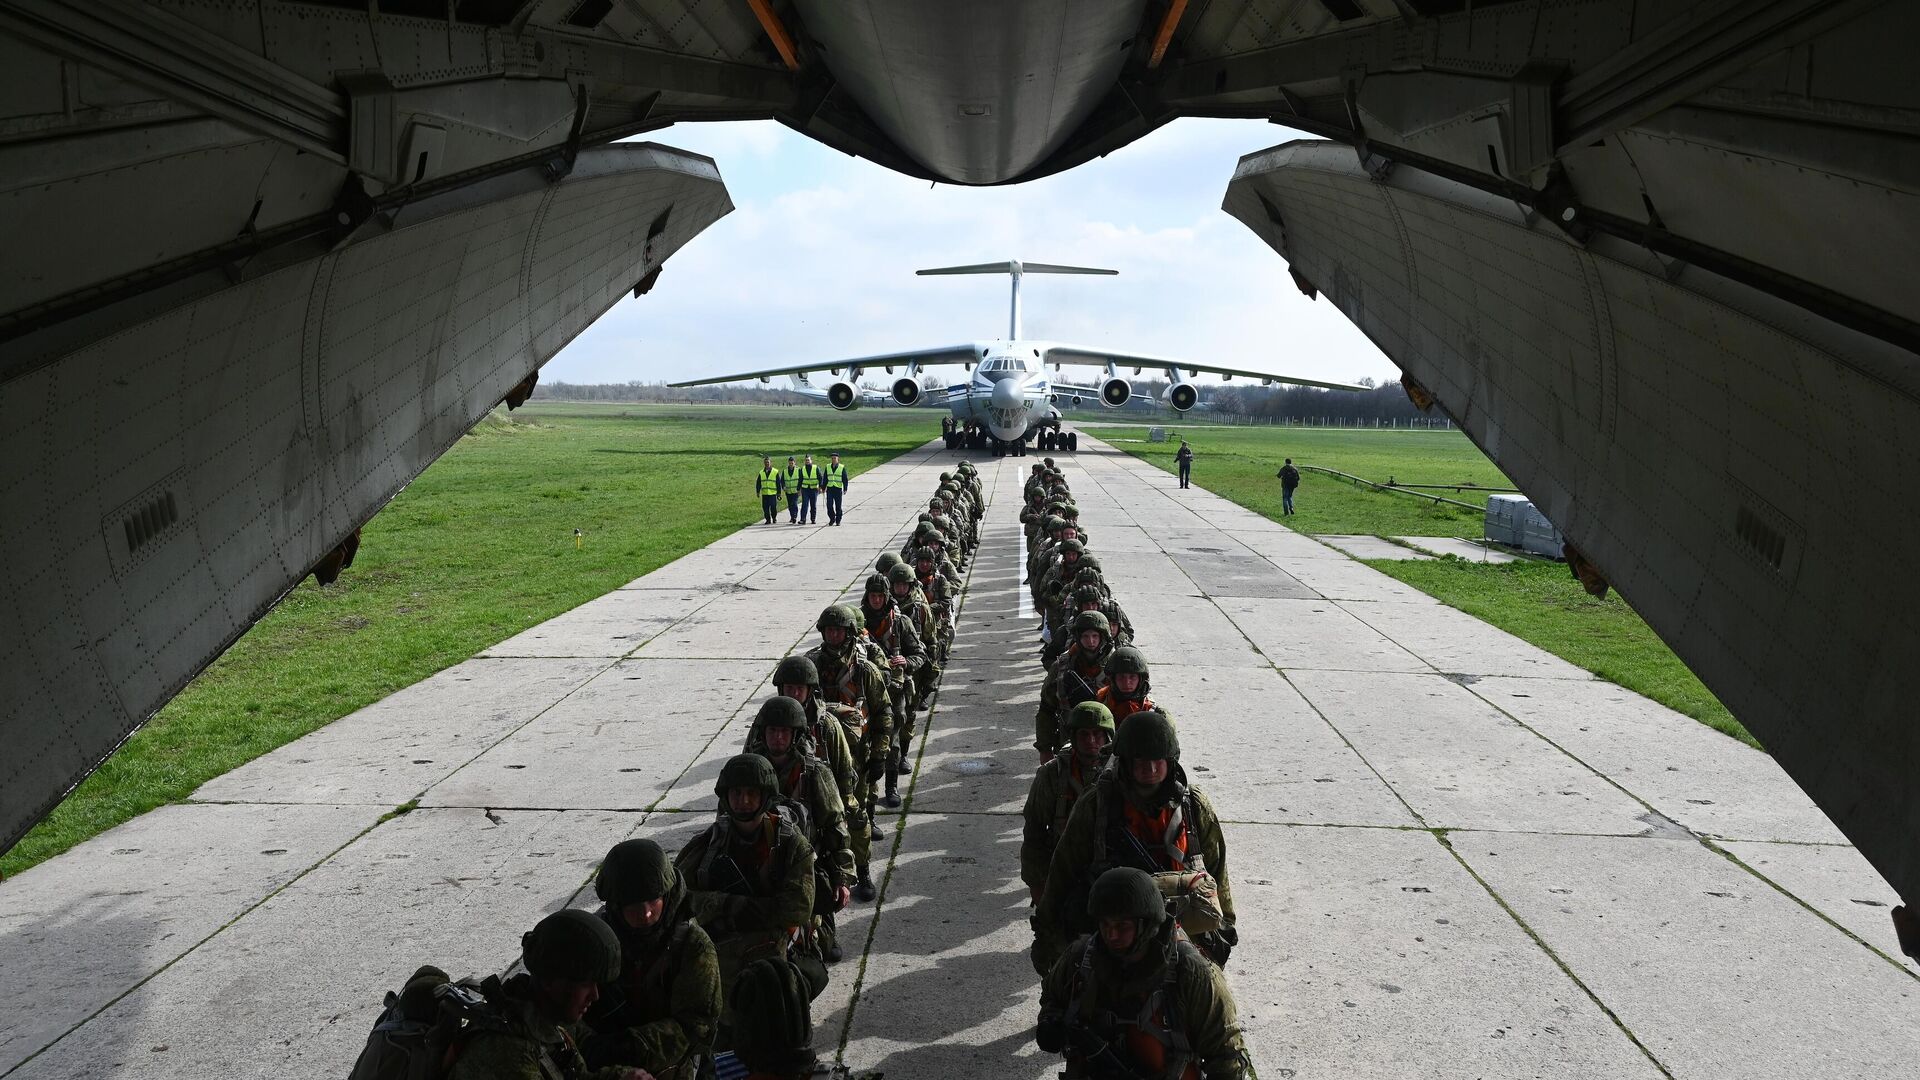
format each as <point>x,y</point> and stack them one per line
<point>945,354</point>
<point>1080,354</point>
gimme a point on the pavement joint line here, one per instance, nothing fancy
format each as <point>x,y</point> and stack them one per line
<point>191,949</point>
<point>1605,1009</point>
<point>1905,969</point>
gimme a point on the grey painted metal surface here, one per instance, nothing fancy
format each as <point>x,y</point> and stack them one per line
<point>171,481</point>
<point>1720,455</point>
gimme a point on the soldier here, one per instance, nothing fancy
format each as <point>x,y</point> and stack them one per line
<point>1135,998</point>
<point>660,1014</point>
<point>848,678</point>
<point>779,734</point>
<point>827,725</point>
<point>894,632</point>
<point>935,586</point>
<point>750,879</point>
<point>1086,595</point>
<point>1055,788</point>
<point>1140,813</point>
<point>1127,686</point>
<point>1057,568</point>
<point>886,562</point>
<point>1075,677</point>
<point>1033,514</point>
<point>568,955</point>
<point>777,1044</point>
<point>1088,576</point>
<point>913,603</point>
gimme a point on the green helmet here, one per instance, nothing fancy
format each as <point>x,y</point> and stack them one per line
<point>966,467</point>
<point>1048,462</point>
<point>1127,660</point>
<point>1127,893</point>
<point>926,518</point>
<point>1090,620</point>
<point>746,770</point>
<point>796,671</point>
<point>901,575</point>
<point>1147,736</point>
<point>887,561</point>
<point>1086,573</point>
<point>1070,511</point>
<point>1090,714</point>
<point>1053,523</point>
<point>777,994</point>
<point>945,476</point>
<point>634,872</point>
<point>1089,561</point>
<point>781,712</point>
<point>876,583</point>
<point>572,946</point>
<point>1074,546</point>
<point>837,615</point>
<point>922,552</point>
<point>1087,594</point>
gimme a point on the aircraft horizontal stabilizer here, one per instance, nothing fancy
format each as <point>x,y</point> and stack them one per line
<point>1015,267</point>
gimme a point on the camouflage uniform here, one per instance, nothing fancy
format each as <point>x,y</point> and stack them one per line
<point>807,782</point>
<point>1101,834</point>
<point>895,635</point>
<point>1160,1009</point>
<point>912,602</point>
<point>523,1042</point>
<point>1056,786</point>
<point>848,677</point>
<point>1062,690</point>
<point>827,734</point>
<point>661,1013</point>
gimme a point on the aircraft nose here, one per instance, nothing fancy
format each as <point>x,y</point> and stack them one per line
<point>1006,395</point>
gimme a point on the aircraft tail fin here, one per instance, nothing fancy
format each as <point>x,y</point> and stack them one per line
<point>1015,269</point>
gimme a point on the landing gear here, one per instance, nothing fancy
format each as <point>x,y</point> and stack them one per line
<point>1055,439</point>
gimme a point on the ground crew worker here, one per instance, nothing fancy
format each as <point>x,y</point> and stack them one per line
<point>660,1014</point>
<point>894,633</point>
<point>913,603</point>
<point>796,678</point>
<point>1056,786</point>
<point>848,678</point>
<point>809,491</point>
<point>1142,813</point>
<point>568,955</point>
<point>750,879</point>
<point>767,484</point>
<point>1135,999</point>
<point>1075,677</point>
<point>835,480</point>
<point>779,734</point>
<point>776,1041</point>
<point>1126,689</point>
<point>790,487</point>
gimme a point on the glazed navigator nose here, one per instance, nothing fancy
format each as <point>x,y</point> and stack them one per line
<point>1006,395</point>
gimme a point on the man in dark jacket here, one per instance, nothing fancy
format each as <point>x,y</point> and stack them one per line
<point>1185,460</point>
<point>660,1014</point>
<point>1289,480</point>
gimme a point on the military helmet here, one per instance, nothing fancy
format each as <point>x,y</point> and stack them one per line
<point>926,518</point>
<point>1090,620</point>
<point>1087,594</point>
<point>1074,546</point>
<point>777,994</point>
<point>1070,511</point>
<point>1085,573</point>
<point>1053,523</point>
<point>781,712</point>
<point>1147,736</point>
<point>1048,461</point>
<point>887,561</point>
<point>876,583</point>
<point>945,476</point>
<point>1127,660</point>
<point>634,872</point>
<point>1089,561</point>
<point>1090,714</point>
<point>966,468</point>
<point>746,770</point>
<point>837,615</point>
<point>572,946</point>
<point>901,575</point>
<point>796,670</point>
<point>1125,892</point>
<point>922,552</point>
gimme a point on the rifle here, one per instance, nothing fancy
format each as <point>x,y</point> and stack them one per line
<point>1098,1056</point>
<point>1074,689</point>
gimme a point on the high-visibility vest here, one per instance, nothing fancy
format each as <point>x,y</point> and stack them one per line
<point>836,476</point>
<point>791,478</point>
<point>770,482</point>
<point>809,477</point>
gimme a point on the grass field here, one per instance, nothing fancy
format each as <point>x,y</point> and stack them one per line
<point>1536,601</point>
<point>477,549</point>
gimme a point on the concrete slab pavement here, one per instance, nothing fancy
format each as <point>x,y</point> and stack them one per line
<point>1375,941</point>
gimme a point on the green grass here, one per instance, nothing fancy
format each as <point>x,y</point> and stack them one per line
<point>1240,463</point>
<point>1538,602</point>
<point>479,548</point>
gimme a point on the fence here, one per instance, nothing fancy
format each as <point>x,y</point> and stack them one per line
<point>1418,423</point>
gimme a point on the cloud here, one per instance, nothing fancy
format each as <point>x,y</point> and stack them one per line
<point>817,262</point>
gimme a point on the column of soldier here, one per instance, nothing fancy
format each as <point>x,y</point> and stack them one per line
<point>1124,859</point>
<point>708,959</point>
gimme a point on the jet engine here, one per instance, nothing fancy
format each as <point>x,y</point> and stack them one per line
<point>1182,396</point>
<point>843,395</point>
<point>906,392</point>
<point>1115,392</point>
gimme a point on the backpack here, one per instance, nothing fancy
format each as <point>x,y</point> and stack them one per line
<point>423,1027</point>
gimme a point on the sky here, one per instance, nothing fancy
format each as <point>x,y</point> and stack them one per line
<point>817,262</point>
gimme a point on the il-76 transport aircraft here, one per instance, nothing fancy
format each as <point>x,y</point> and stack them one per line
<point>1008,396</point>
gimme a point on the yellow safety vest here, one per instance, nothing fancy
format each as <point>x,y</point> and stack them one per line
<point>809,477</point>
<point>770,482</point>
<point>836,476</point>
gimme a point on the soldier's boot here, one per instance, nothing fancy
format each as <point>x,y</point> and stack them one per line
<point>891,800</point>
<point>829,939</point>
<point>863,889</point>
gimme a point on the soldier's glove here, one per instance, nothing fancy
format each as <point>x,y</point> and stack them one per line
<point>1051,1034</point>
